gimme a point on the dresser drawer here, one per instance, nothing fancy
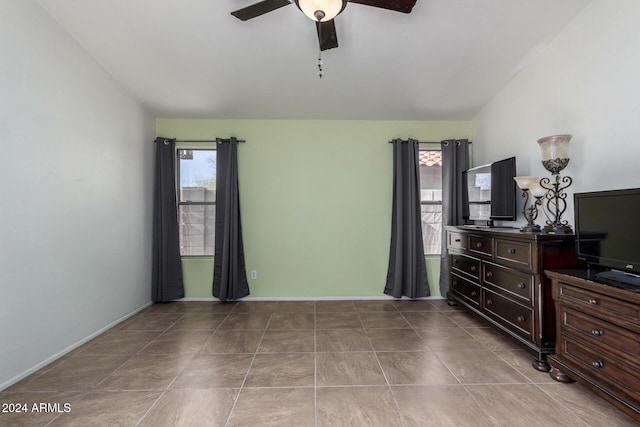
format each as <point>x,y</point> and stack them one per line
<point>518,317</point>
<point>616,373</point>
<point>481,245</point>
<point>518,285</point>
<point>598,332</point>
<point>610,309</point>
<point>514,253</point>
<point>456,240</point>
<point>466,289</point>
<point>466,265</point>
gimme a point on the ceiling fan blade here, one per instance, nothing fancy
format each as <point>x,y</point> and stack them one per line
<point>327,36</point>
<point>259,8</point>
<point>404,6</point>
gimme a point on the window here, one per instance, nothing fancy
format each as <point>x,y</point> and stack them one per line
<point>196,176</point>
<point>430,163</point>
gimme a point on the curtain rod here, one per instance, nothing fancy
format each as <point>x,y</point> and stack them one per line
<point>206,140</point>
<point>428,142</point>
<point>421,142</point>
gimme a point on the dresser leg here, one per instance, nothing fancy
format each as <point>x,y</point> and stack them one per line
<point>559,376</point>
<point>541,365</point>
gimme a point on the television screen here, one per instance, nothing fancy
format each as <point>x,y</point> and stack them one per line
<point>478,195</point>
<point>503,189</point>
<point>607,232</point>
<point>490,191</point>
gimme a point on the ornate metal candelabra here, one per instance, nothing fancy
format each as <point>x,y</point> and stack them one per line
<point>555,159</point>
<point>530,185</point>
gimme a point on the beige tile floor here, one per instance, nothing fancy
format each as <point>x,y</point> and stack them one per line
<point>323,363</point>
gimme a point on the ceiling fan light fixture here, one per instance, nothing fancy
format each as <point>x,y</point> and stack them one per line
<point>321,10</point>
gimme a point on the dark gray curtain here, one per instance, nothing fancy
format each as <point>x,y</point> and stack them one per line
<point>407,273</point>
<point>229,272</point>
<point>455,160</point>
<point>166,278</point>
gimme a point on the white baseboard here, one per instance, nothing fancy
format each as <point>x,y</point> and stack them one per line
<point>338,298</point>
<point>72,347</point>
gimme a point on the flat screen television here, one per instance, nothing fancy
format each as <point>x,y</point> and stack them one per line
<point>608,235</point>
<point>491,192</point>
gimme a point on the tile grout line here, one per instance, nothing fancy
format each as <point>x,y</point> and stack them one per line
<point>465,386</point>
<point>178,373</point>
<point>131,356</point>
<point>161,332</point>
<point>137,353</point>
<point>315,365</point>
<point>155,402</point>
<point>393,395</point>
<point>559,402</point>
<point>438,310</point>
<point>244,380</point>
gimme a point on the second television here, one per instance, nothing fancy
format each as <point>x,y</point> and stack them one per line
<point>491,192</point>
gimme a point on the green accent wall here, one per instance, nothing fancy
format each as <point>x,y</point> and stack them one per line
<point>315,201</point>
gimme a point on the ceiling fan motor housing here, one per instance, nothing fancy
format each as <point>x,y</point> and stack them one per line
<point>321,10</point>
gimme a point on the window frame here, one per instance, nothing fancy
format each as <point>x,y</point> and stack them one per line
<point>193,147</point>
<point>429,146</point>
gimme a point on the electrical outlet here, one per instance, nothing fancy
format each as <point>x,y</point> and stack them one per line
<point>254,274</point>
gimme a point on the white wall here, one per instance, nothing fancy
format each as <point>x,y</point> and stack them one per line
<point>75,213</point>
<point>586,83</point>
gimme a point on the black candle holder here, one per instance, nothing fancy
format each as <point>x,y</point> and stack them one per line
<point>556,204</point>
<point>530,213</point>
<point>555,159</point>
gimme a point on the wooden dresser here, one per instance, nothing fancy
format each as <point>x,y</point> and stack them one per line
<point>598,329</point>
<point>499,274</point>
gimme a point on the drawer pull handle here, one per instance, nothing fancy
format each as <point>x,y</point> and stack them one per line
<point>479,245</point>
<point>489,274</point>
<point>455,261</point>
<point>511,251</point>
<point>521,319</point>
<point>596,332</point>
<point>474,268</point>
<point>458,240</point>
<point>521,285</point>
<point>474,293</point>
<point>489,301</point>
<point>593,301</point>
<point>597,364</point>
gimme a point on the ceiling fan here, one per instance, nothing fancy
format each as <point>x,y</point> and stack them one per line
<point>322,12</point>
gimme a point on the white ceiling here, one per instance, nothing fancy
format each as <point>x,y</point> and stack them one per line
<point>192,59</point>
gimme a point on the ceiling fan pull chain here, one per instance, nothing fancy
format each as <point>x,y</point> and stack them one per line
<point>319,15</point>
